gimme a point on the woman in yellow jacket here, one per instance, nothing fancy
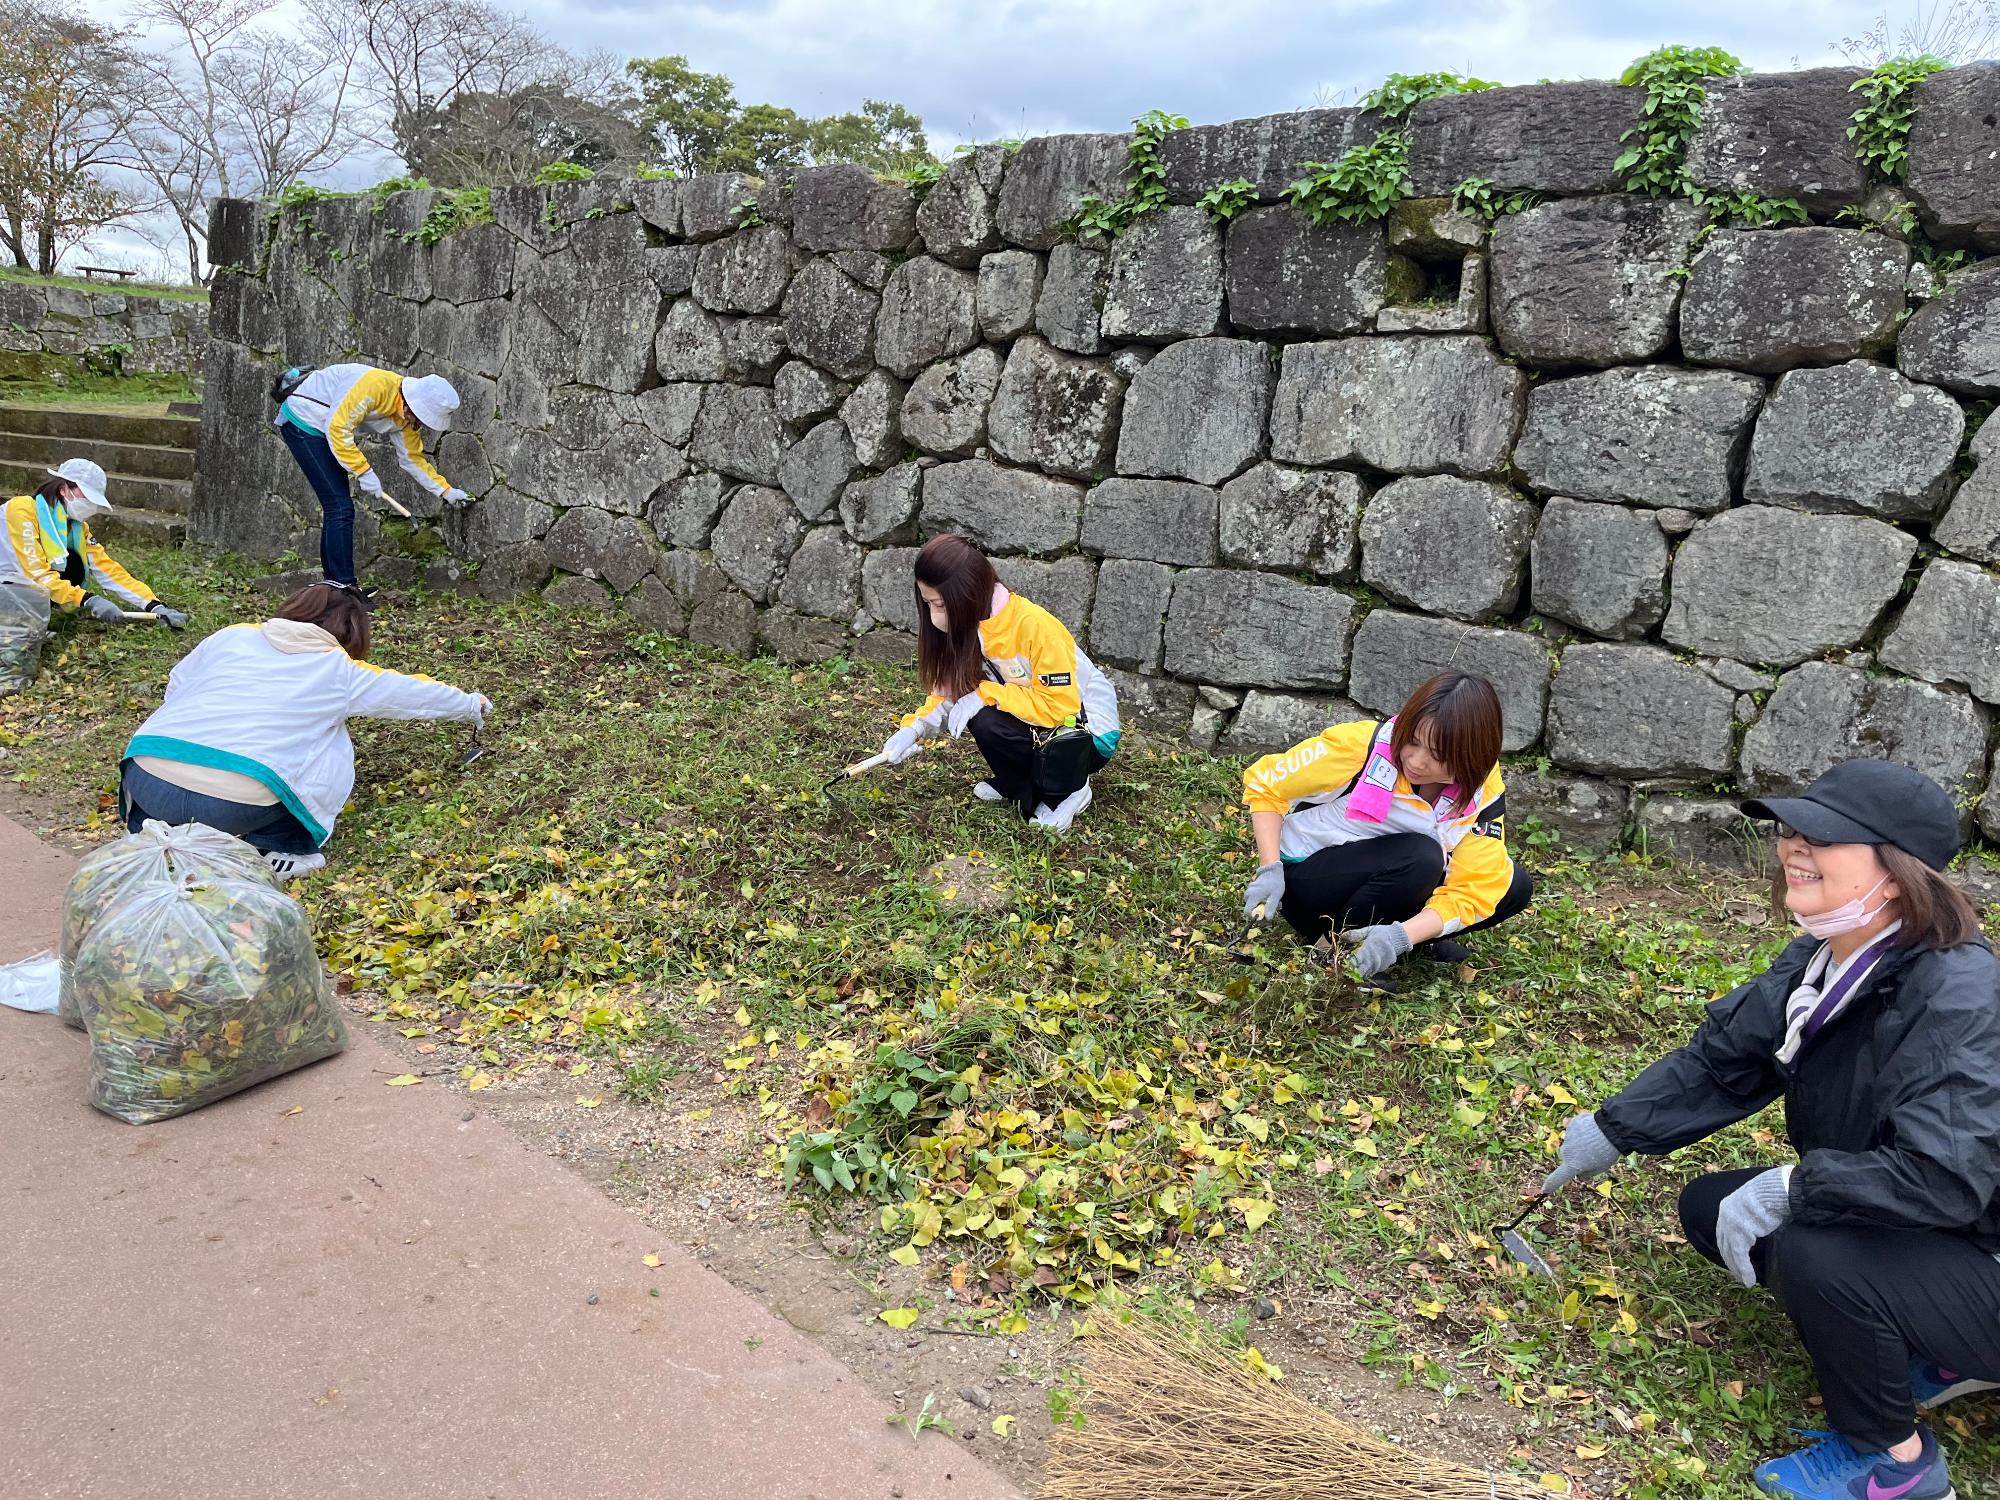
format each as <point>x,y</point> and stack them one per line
<point>1369,829</point>
<point>1042,714</point>
<point>319,413</point>
<point>49,547</point>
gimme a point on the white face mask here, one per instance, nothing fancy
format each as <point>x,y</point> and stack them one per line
<point>80,507</point>
<point>1847,917</point>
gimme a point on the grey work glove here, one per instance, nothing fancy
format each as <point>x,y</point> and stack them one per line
<point>1377,948</point>
<point>963,712</point>
<point>901,745</point>
<point>1267,889</point>
<point>174,618</point>
<point>1586,1153</point>
<point>456,497</point>
<point>100,608</point>
<point>369,482</point>
<point>1759,1208</point>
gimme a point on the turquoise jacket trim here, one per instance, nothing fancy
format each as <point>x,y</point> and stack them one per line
<point>163,747</point>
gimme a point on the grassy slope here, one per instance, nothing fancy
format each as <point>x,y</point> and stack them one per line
<point>1081,1081</point>
<point>110,284</point>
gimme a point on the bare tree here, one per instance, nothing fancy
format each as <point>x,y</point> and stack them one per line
<point>1959,31</point>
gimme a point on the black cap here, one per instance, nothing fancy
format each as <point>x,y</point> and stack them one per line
<point>1871,802</point>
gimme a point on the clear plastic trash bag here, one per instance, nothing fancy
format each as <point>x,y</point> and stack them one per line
<point>24,626</point>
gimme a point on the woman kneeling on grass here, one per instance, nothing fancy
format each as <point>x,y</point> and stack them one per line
<point>252,738</point>
<point>1040,711</point>
<point>1389,833</point>
<point>1880,1029</point>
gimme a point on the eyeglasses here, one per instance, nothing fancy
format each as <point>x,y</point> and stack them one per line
<point>1786,831</point>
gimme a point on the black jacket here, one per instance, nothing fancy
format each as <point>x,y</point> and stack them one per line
<point>1894,1108</point>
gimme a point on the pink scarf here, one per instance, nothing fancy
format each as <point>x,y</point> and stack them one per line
<point>1375,789</point>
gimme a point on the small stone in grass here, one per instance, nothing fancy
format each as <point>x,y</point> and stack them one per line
<point>976,1395</point>
<point>1266,1308</point>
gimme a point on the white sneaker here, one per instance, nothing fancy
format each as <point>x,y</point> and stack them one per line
<point>1064,812</point>
<point>291,866</point>
<point>985,793</point>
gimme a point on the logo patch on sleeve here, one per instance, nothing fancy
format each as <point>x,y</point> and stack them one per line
<point>1492,828</point>
<point>1055,679</point>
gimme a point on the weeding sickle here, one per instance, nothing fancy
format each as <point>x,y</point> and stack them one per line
<point>1240,949</point>
<point>1513,1242</point>
<point>849,772</point>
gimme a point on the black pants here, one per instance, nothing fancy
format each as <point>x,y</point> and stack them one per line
<point>1866,1302</point>
<point>1386,879</point>
<point>1019,775</point>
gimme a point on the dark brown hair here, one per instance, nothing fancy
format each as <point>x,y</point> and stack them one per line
<point>1934,912</point>
<point>1463,713</point>
<point>950,662</point>
<point>52,490</point>
<point>337,611</point>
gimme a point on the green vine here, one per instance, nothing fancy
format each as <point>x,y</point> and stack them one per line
<point>1881,128</point>
<point>379,195</point>
<point>1145,181</point>
<point>1364,184</point>
<point>459,209</point>
<point>1750,211</point>
<point>1400,93</point>
<point>1655,157</point>
<point>1226,200</point>
<point>1482,200</point>
<point>748,216</point>
<point>551,173</point>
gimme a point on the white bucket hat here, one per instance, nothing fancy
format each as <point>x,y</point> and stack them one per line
<point>89,478</point>
<point>431,400</point>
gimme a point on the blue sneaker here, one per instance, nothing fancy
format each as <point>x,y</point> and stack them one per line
<point>1828,1469</point>
<point>1933,1385</point>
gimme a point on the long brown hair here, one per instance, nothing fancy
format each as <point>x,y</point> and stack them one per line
<point>1463,713</point>
<point>337,611</point>
<point>1934,912</point>
<point>950,662</point>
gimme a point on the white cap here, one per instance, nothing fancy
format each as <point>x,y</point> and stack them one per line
<point>89,478</point>
<point>431,400</point>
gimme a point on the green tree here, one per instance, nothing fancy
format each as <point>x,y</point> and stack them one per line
<point>766,140</point>
<point>884,137</point>
<point>687,113</point>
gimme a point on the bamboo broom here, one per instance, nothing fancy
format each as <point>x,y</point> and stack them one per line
<point>1174,1418</point>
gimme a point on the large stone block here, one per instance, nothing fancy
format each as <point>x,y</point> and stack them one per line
<point>816,469</point>
<point>1197,411</point>
<point>1581,811</point>
<point>1636,711</point>
<point>1948,629</point>
<point>1736,588</point>
<point>803,394</point>
<point>1780,135</point>
<point>883,508</point>
<point>1158,520</point>
<point>1649,436</point>
<point>889,586</point>
<point>755,538</point>
<point>669,412</point>
<point>946,407</point>
<point>1158,705</point>
<point>1294,520</point>
<point>1555,138</point>
<point>1131,608</point>
<point>1823,714</point>
<point>1954,340</point>
<point>235,232</point>
<point>830,320</point>
<point>1483,527</point>
<point>689,344</point>
<point>1858,436</point>
<point>1770,299</point>
<point>957,217</point>
<point>1265,152</point>
<point>1257,630</point>
<point>738,433</point>
<point>1394,654</point>
<point>873,417</point>
<point>1048,179</point>
<point>474,264</point>
<point>1409,405</point>
<point>1591,281</point>
<point>844,208</point>
<point>1288,275</point>
<point>1010,284</point>
<point>684,512</point>
<point>1954,161</point>
<point>1064,588</point>
<point>928,313</point>
<point>823,577</point>
<point>1069,307</point>
<point>1166,278</point>
<point>1601,568</point>
<point>657,200</point>
<point>619,474</point>
<point>801,638</point>
<point>1057,412</point>
<point>619,550</point>
<point>1699,831</point>
<point>1971,527</point>
<point>1004,510</point>
<point>1270,722</point>
<point>747,272</point>
<point>753,348</point>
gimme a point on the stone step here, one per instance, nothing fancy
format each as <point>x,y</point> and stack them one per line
<point>101,426</point>
<point>141,526</point>
<point>140,460</point>
<point>126,491</point>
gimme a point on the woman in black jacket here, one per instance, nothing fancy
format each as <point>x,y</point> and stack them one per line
<point>1880,1030</point>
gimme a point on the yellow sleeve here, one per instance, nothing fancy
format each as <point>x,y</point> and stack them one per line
<point>1051,694</point>
<point>109,574</point>
<point>373,395</point>
<point>931,705</point>
<point>414,462</point>
<point>1481,870</point>
<point>24,535</point>
<point>1325,763</point>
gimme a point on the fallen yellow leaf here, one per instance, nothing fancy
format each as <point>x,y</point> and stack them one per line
<point>1003,1426</point>
<point>652,1258</point>
<point>899,1317</point>
<point>591,1103</point>
<point>403,1078</point>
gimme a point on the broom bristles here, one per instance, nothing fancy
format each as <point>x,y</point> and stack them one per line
<point>1178,1418</point>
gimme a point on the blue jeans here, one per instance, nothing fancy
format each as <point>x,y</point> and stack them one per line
<point>270,830</point>
<point>329,482</point>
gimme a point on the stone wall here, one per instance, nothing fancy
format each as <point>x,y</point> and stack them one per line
<point>49,333</point>
<point>1702,505</point>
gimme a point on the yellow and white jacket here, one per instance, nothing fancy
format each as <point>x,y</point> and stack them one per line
<point>1037,673</point>
<point>1310,784</point>
<point>61,557</point>
<point>335,401</point>
<point>272,702</point>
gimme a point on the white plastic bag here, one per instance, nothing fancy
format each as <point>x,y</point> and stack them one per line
<point>24,625</point>
<point>33,984</point>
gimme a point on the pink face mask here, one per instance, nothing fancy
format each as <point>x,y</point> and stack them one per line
<point>1847,917</point>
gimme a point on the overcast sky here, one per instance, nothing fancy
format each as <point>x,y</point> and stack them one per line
<point>983,69</point>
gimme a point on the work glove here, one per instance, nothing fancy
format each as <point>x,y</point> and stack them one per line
<point>1267,889</point>
<point>1377,948</point>
<point>481,710</point>
<point>456,497</point>
<point>1586,1153</point>
<point>175,619</point>
<point>369,482</point>
<point>1759,1208</point>
<point>100,608</point>
<point>962,713</point>
<point>901,745</point>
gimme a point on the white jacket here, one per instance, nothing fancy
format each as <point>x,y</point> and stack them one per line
<point>272,702</point>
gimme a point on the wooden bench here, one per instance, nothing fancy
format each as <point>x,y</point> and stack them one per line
<point>91,273</point>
